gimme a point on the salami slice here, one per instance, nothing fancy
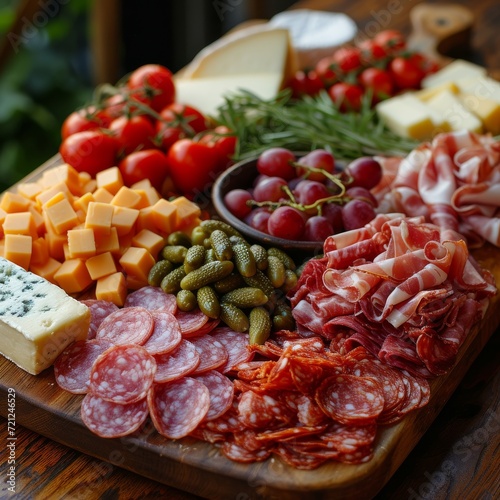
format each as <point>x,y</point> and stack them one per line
<point>351,400</point>
<point>191,322</point>
<point>212,353</point>
<point>304,461</point>
<point>130,325</point>
<point>166,334</point>
<point>99,310</point>
<point>180,362</point>
<point>176,408</point>
<point>239,454</point>
<point>210,325</point>
<point>221,391</point>
<point>111,420</point>
<point>348,439</point>
<point>261,411</point>
<point>236,345</point>
<point>152,298</point>
<point>73,366</point>
<point>123,374</point>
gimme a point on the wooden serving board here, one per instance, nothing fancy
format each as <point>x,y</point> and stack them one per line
<point>199,468</point>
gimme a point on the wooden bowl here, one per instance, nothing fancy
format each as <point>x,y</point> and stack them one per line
<point>241,176</point>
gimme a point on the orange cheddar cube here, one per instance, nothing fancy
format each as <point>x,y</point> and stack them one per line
<point>2,247</point>
<point>82,203</point>
<point>29,189</point>
<point>20,223</point>
<point>143,198</point>
<point>152,195</point>
<point>125,242</point>
<point>112,288</point>
<point>48,193</point>
<point>39,252</point>
<point>137,262</point>
<point>73,276</point>
<point>146,219</point>
<point>17,249</point>
<point>81,243</point>
<point>107,242</point>
<point>110,179</point>
<point>186,210</point>
<point>101,265</point>
<point>14,202</point>
<point>38,219</point>
<point>56,244</point>
<point>99,217</point>
<point>46,269</point>
<point>56,198</point>
<point>3,214</point>
<point>62,216</point>
<point>149,240</point>
<point>134,283</point>
<point>126,197</point>
<point>143,184</point>
<point>165,215</point>
<point>65,174</point>
<point>124,219</point>
<point>102,195</point>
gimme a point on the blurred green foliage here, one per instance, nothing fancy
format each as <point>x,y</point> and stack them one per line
<point>45,79</point>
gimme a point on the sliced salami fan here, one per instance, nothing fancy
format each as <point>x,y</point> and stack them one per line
<point>351,400</point>
<point>236,345</point>
<point>123,374</point>
<point>212,353</point>
<point>191,322</point>
<point>111,420</point>
<point>130,325</point>
<point>180,362</point>
<point>152,298</point>
<point>221,391</point>
<point>73,366</point>
<point>99,310</point>
<point>166,334</point>
<point>176,408</point>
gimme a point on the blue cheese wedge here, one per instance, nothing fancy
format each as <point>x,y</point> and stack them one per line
<point>37,319</point>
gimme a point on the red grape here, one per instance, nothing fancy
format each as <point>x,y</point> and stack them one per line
<point>361,193</point>
<point>319,158</point>
<point>310,191</point>
<point>276,162</point>
<point>357,213</point>
<point>269,189</point>
<point>286,222</point>
<point>317,228</point>
<point>236,201</point>
<point>333,213</point>
<point>258,218</point>
<point>365,171</point>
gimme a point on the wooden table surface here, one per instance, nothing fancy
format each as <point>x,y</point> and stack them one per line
<point>459,456</point>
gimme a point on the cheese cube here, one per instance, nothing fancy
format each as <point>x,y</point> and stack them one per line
<point>101,265</point>
<point>110,179</point>
<point>38,320</point>
<point>149,240</point>
<point>112,288</point>
<point>99,217</point>
<point>18,249</point>
<point>124,219</point>
<point>81,243</point>
<point>102,195</point>
<point>14,202</point>
<point>65,174</point>
<point>487,110</point>
<point>82,203</point>
<point>29,189</point>
<point>62,216</point>
<point>186,210</point>
<point>50,192</point>
<point>456,70</point>
<point>73,276</point>
<point>126,197</point>
<point>46,269</point>
<point>137,262</point>
<point>20,223</point>
<point>107,242</point>
<point>39,252</point>
<point>425,94</point>
<point>164,214</point>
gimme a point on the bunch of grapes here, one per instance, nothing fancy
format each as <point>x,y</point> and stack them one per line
<point>306,199</point>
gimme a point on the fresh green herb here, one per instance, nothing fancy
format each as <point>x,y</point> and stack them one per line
<point>307,124</point>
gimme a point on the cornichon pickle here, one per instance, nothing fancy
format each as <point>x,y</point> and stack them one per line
<point>186,300</point>
<point>260,325</point>
<point>290,280</point>
<point>174,253</point>
<point>221,245</point>
<point>179,238</point>
<point>171,283</point>
<point>283,256</point>
<point>275,271</point>
<point>209,255</point>
<point>195,258</point>
<point>159,271</point>
<point>283,318</point>
<point>231,282</point>
<point>245,297</point>
<point>244,260</point>
<point>211,225</point>
<point>260,256</point>
<point>206,274</point>
<point>208,301</point>
<point>234,317</point>
<point>260,280</point>
<point>238,240</point>
<point>198,235</point>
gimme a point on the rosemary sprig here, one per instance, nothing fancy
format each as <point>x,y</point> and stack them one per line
<point>306,124</point>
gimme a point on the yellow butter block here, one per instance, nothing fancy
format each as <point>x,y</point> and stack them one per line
<point>112,288</point>
<point>101,265</point>
<point>99,217</point>
<point>73,276</point>
<point>107,242</point>
<point>20,223</point>
<point>102,195</point>
<point>62,216</point>
<point>149,240</point>
<point>110,179</point>
<point>46,269</point>
<point>137,262</point>
<point>165,215</point>
<point>81,243</point>
<point>14,202</point>
<point>124,219</point>
<point>126,197</point>
<point>18,249</point>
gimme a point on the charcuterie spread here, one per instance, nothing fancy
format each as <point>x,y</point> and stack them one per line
<point>160,312</point>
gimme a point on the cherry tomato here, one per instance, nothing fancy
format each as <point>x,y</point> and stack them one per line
<point>193,166</point>
<point>133,133</point>
<point>392,40</point>
<point>89,151</point>
<point>346,96</point>
<point>177,122</point>
<point>347,59</point>
<point>372,52</point>
<point>154,85</point>
<point>305,83</point>
<point>116,106</point>
<point>325,70</point>
<point>83,119</point>
<point>378,81</point>
<point>224,141</point>
<point>405,73</point>
<point>149,164</point>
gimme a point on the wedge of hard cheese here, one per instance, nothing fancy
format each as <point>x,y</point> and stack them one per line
<point>37,319</point>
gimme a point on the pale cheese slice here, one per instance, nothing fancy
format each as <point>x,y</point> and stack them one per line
<point>482,88</point>
<point>487,110</point>
<point>37,319</point>
<point>207,94</point>
<point>456,70</point>
<point>426,94</point>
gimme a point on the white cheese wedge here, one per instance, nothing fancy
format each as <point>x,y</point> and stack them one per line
<point>454,112</point>
<point>37,319</point>
<point>315,34</point>
<point>482,88</point>
<point>426,94</point>
<point>207,94</point>
<point>256,49</point>
<point>456,70</point>
<point>487,110</point>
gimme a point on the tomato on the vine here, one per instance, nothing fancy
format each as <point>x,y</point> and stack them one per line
<point>372,52</point>
<point>305,83</point>
<point>347,59</point>
<point>193,166</point>
<point>378,81</point>
<point>325,70</point>
<point>224,141</point>
<point>133,133</point>
<point>153,84</point>
<point>405,73</point>
<point>90,151</point>
<point>346,96</point>
<point>83,119</point>
<point>392,40</point>
<point>149,164</point>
